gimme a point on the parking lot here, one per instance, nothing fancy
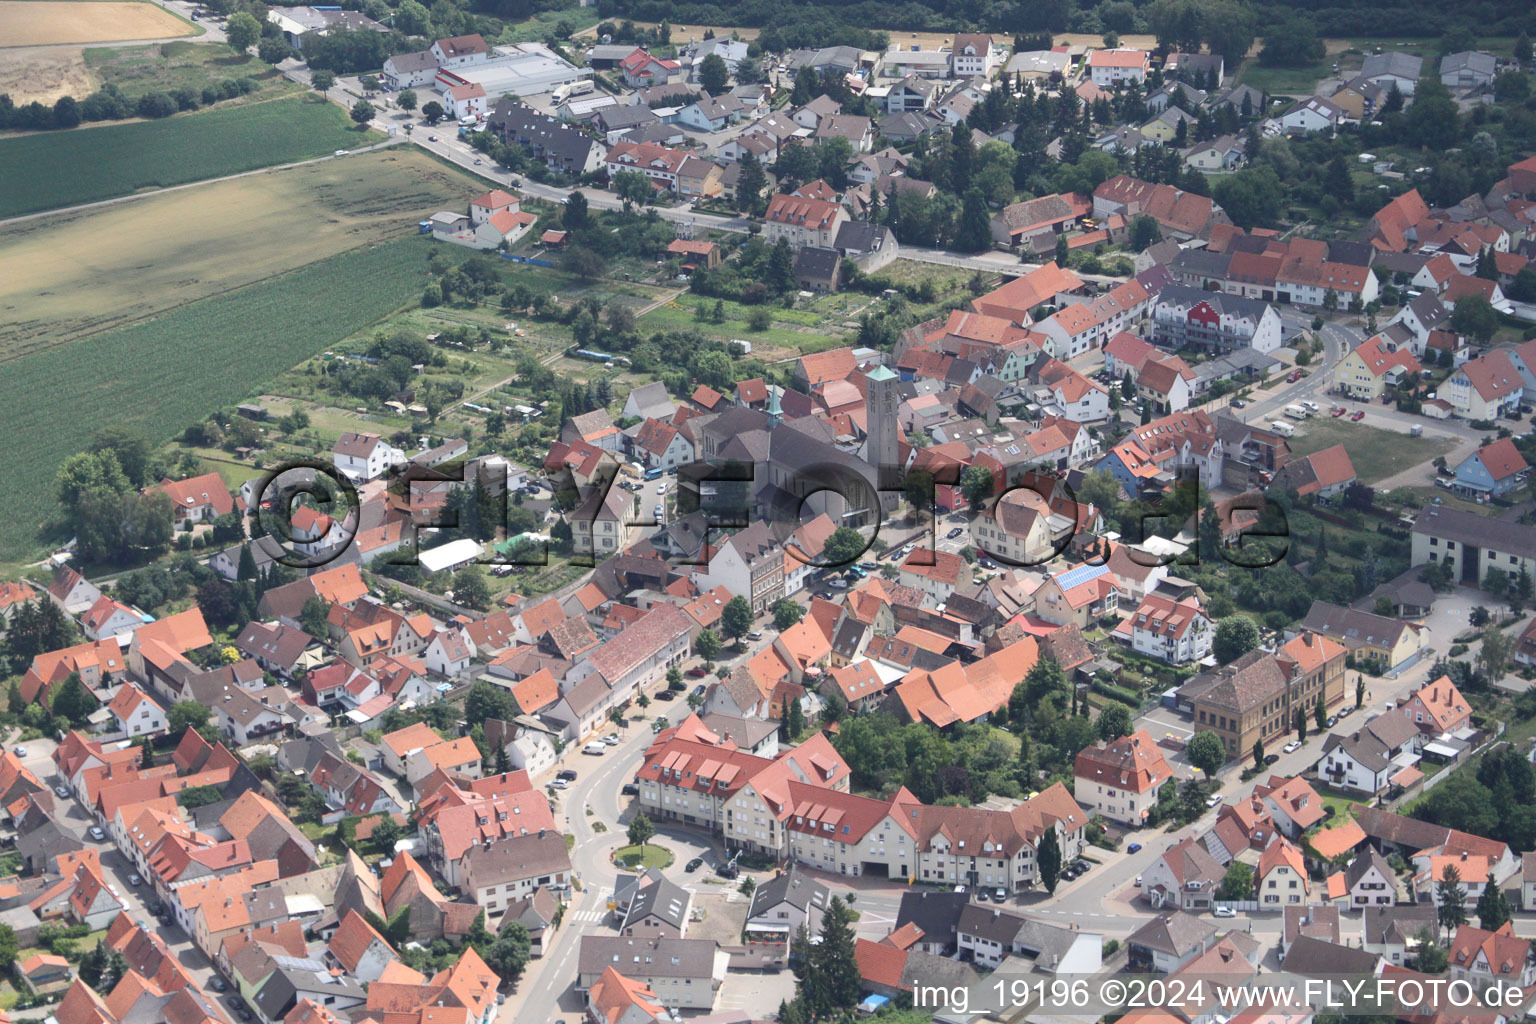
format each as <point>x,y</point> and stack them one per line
<point>755,992</point>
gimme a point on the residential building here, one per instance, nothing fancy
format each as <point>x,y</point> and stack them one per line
<point>1212,322</point>
<point>1494,469</point>
<point>1472,545</point>
<point>803,221</point>
<point>1107,68</point>
<point>1121,779</point>
<point>1369,759</point>
<point>1392,643</point>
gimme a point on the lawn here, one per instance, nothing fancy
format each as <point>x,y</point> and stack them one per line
<point>162,67</point>
<point>548,23</point>
<point>648,856</point>
<point>85,272</point>
<point>678,315</point>
<point>53,169</point>
<point>160,375</point>
<point>1376,453</point>
<point>1284,81</point>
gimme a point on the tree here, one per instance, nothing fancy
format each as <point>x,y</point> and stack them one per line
<point>1451,895</point>
<point>1114,721</point>
<point>750,186</point>
<point>146,753</point>
<point>486,701</point>
<point>1292,43</point>
<point>184,715</point>
<point>736,617</point>
<point>1300,724</point>
<point>433,112</point>
<point>632,187</point>
<point>470,589</point>
<point>1494,654</point>
<point>508,955</point>
<point>273,50</point>
<point>714,76</point>
<point>641,831</point>
<point>1206,752</point>
<point>385,835</point>
<point>1359,690</point>
<point>976,485</point>
<point>1474,316</point>
<point>1492,906</point>
<point>794,721</point>
<point>974,233</point>
<point>1522,50</point>
<point>844,546</point>
<point>574,216</point>
<point>831,986</point>
<point>1145,231</point>
<point>1236,635</point>
<point>406,100</point>
<point>313,616</point>
<point>9,947</point>
<point>1048,859</point>
<point>1496,582</point>
<point>707,645</point>
<point>1237,883</point>
<point>786,613</point>
<point>1062,251</point>
<point>1319,714</point>
<point>242,31</point>
<point>362,112</point>
<point>1432,957</point>
<point>322,80</point>
<point>72,701</point>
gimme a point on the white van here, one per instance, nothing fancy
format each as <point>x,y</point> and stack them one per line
<point>1297,412</point>
<point>595,749</point>
<point>1283,428</point>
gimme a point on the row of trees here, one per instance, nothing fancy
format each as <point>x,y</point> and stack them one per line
<point>110,103</point>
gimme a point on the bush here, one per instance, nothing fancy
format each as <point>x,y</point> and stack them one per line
<point>156,105</point>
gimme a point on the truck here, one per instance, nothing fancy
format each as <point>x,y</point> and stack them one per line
<point>1283,428</point>
<point>564,92</point>
<point>1297,412</point>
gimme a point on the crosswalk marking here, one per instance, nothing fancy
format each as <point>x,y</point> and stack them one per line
<point>588,915</point>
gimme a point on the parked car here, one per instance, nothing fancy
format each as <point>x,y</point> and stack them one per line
<point>694,864</point>
<point>612,739</point>
<point>1293,746</point>
<point>219,984</point>
<point>559,784</point>
<point>1338,411</point>
<point>97,834</point>
<point>1224,912</point>
<point>1137,883</point>
<point>981,895</point>
<point>62,791</point>
<point>135,880</point>
<point>19,751</point>
<point>666,695</point>
<point>1357,417</point>
<point>1271,758</point>
<point>568,774</point>
<point>1213,800</point>
<point>1133,848</point>
<point>1293,377</point>
<point>629,789</point>
<point>697,672</point>
<point>698,691</point>
<point>1238,403</point>
<point>957,531</point>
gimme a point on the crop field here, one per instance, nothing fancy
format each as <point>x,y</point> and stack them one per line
<point>44,73</point>
<point>32,23</point>
<point>162,67</point>
<point>63,278</point>
<point>53,169</point>
<point>162,374</point>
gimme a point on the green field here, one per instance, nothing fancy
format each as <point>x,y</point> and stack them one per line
<point>1375,453</point>
<point>163,67</point>
<point>53,169</point>
<point>162,374</point>
<point>678,315</point>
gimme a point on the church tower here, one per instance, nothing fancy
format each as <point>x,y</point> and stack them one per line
<point>881,450</point>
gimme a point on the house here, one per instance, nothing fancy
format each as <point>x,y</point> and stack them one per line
<point>782,905</point>
<point>448,653</point>
<point>1375,365</point>
<point>409,70</point>
<point>972,55</point>
<point>817,269</point>
<point>107,619</point>
<point>1471,545</point>
<point>508,869</point>
<point>990,936</point>
<point>1185,877</point>
<point>602,524</point>
<point>1108,68</point>
<point>1323,474</point>
<point>72,592</point>
<point>363,457</point>
<point>1121,779</point>
<point>1185,317</point>
<point>1255,698</point>
<point>657,906</point>
<point>1484,388</point>
<point>1170,627</point>
<point>1368,759</point>
<point>464,101</point>
<point>198,499</point>
<point>1181,215</point>
<point>1313,114</point>
<point>640,70</point>
<point>1493,469</point>
<point>44,972</point>
<point>134,714</point>
<point>1468,69</point>
<point>1393,68</point>
<point>360,950</point>
<point>803,221</point>
<point>1222,154</point>
<point>1437,709</point>
<point>1281,877</point>
<point>684,974</point>
<point>1484,958</point>
<point>618,1000</point>
<point>1392,932</point>
<point>1292,804</point>
<point>1391,643</point>
<point>1169,941</point>
<point>560,146</point>
<point>1035,223</point>
<point>675,170</point>
<point>1017,527</point>
<point>1370,880</point>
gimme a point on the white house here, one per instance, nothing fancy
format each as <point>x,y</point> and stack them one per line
<point>449,653</point>
<point>1121,779</point>
<point>134,714</point>
<point>364,457</point>
<point>1109,67</point>
<point>1313,114</point>
<point>464,101</point>
<point>1281,878</point>
<point>1370,880</point>
<point>1173,630</point>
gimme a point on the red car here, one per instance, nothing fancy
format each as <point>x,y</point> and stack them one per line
<point>697,672</point>
<point>1338,410</point>
<point>1357,417</point>
<point>1293,378</point>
